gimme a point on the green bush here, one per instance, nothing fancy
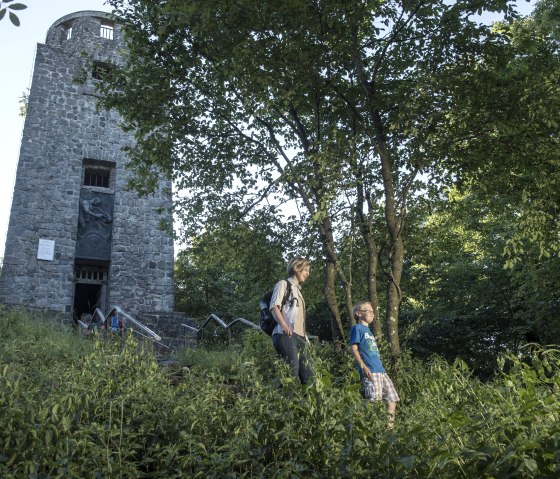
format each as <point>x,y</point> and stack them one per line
<point>103,408</point>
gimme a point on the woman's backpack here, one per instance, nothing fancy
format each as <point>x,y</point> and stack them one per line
<point>268,323</point>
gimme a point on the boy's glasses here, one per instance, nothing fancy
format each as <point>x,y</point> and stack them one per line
<point>366,310</point>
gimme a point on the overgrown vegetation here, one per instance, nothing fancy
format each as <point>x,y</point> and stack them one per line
<point>91,407</point>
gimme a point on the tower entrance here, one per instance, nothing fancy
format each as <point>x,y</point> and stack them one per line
<point>90,289</point>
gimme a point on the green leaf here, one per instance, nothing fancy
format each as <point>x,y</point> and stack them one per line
<point>406,461</point>
<point>14,19</point>
<point>458,419</point>
<point>17,6</point>
<point>530,464</point>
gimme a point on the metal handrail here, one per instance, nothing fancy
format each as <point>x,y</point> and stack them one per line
<point>222,323</point>
<point>245,322</point>
<point>190,327</point>
<point>83,325</point>
<point>149,337</point>
<point>133,320</point>
<point>98,319</point>
<point>215,318</point>
<point>100,314</point>
<point>228,326</point>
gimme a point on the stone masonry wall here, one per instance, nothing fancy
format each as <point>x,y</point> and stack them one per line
<point>61,130</point>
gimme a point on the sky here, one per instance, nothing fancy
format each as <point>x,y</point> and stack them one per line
<point>16,64</point>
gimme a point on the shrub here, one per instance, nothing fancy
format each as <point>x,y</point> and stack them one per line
<point>103,407</point>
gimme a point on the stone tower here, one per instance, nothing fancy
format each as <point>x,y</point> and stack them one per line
<point>77,239</point>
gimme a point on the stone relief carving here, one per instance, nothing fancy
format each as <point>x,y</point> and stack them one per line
<point>92,216</point>
<point>95,226</point>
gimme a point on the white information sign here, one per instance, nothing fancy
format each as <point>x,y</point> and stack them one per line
<point>45,250</point>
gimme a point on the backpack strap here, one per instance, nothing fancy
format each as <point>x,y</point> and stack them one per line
<point>286,294</point>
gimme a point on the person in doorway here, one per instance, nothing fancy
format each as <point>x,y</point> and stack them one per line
<point>288,337</point>
<point>377,384</point>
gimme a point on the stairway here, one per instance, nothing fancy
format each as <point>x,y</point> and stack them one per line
<point>169,331</point>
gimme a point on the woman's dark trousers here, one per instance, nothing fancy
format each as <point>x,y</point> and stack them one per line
<point>293,350</point>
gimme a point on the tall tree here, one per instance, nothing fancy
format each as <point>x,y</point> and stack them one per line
<point>314,101</point>
<point>502,128</point>
<point>486,277</point>
<point>461,302</point>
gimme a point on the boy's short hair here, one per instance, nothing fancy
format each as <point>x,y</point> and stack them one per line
<point>297,264</point>
<point>358,306</point>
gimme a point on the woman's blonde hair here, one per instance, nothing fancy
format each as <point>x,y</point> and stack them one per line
<point>296,265</point>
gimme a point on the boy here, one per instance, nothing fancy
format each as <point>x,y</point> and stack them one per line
<point>377,384</point>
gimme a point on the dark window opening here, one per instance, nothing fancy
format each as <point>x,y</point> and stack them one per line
<point>101,70</point>
<point>97,177</point>
<point>68,30</point>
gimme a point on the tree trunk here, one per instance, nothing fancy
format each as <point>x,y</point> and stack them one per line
<point>312,200</point>
<point>373,124</point>
<point>396,253</point>
<point>332,267</point>
<point>394,296</point>
<point>366,231</point>
<point>330,295</point>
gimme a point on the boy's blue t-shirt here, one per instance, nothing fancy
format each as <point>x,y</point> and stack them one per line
<point>367,347</point>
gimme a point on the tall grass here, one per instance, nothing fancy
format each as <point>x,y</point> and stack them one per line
<point>102,408</point>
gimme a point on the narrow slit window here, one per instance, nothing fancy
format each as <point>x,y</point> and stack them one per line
<point>68,30</point>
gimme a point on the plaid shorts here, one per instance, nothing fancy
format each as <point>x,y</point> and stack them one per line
<point>380,388</point>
